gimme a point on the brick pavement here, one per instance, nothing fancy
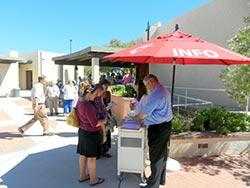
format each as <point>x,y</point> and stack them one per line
<point>199,172</point>
<point>4,116</point>
<point>211,172</point>
<point>11,140</point>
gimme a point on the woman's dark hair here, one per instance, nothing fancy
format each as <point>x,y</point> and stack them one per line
<point>97,87</point>
<point>104,82</point>
<point>142,90</point>
<point>85,88</point>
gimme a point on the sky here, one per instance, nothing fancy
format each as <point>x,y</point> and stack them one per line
<point>49,25</point>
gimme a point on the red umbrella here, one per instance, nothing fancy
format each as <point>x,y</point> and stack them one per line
<point>178,48</point>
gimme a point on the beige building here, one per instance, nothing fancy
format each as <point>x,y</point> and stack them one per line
<point>42,64</point>
<point>9,73</point>
<point>217,22</point>
<point>21,70</point>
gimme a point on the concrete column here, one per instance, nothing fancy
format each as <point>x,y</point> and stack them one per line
<point>61,73</point>
<point>95,69</point>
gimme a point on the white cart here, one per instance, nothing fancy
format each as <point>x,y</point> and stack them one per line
<point>131,155</point>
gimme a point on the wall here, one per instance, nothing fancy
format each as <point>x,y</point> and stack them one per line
<point>33,56</point>
<point>9,77</point>
<point>204,146</point>
<point>42,64</point>
<point>71,73</point>
<point>47,66</point>
<point>216,22</point>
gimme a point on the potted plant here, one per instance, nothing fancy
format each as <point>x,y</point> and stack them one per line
<point>122,95</point>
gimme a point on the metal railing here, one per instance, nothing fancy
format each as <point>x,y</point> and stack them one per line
<point>189,101</point>
<point>186,101</point>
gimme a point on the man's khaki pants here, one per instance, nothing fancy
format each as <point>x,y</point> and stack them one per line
<point>53,104</point>
<point>40,115</point>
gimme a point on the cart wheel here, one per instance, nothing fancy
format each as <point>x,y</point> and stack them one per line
<point>120,177</point>
<point>143,180</point>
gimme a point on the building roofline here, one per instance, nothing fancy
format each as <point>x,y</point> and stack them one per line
<point>13,60</point>
<point>90,49</point>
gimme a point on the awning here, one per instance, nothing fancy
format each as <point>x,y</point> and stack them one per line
<point>84,57</point>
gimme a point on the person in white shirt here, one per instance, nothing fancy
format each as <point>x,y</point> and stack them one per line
<point>69,93</point>
<point>38,99</point>
<point>53,93</point>
<point>141,98</point>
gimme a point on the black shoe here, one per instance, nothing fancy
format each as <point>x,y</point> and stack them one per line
<point>162,183</point>
<point>99,181</point>
<point>20,130</point>
<point>48,134</point>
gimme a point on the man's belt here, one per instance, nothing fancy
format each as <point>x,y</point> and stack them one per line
<point>40,103</point>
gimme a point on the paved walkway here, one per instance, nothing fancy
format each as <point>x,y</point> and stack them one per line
<point>36,161</point>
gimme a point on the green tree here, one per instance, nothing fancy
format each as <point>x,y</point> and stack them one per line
<point>236,79</point>
<point>119,44</point>
<point>87,71</point>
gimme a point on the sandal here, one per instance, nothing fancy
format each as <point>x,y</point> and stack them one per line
<point>99,181</point>
<point>85,179</point>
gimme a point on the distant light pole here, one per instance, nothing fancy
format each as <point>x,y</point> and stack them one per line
<point>70,46</point>
<point>41,63</point>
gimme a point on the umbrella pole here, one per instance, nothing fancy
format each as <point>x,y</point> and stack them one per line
<point>173,75</point>
<point>173,82</point>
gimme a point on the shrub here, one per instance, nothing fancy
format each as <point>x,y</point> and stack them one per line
<point>123,90</point>
<point>180,124</point>
<point>221,120</point>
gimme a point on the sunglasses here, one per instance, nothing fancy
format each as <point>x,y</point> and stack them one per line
<point>91,89</point>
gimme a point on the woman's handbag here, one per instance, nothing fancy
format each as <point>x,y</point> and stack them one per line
<point>73,119</point>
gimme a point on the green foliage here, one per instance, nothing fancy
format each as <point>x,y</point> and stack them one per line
<point>208,119</point>
<point>220,120</point>
<point>241,41</point>
<point>236,79</point>
<point>180,124</point>
<point>119,44</point>
<point>104,70</point>
<point>123,90</point>
<point>118,90</point>
<point>129,91</point>
<point>87,71</point>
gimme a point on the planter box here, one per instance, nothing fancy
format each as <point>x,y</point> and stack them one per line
<point>209,144</point>
<point>121,108</point>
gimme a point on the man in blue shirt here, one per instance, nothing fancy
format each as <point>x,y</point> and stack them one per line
<point>157,115</point>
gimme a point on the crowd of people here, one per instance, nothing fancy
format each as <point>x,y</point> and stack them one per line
<point>66,96</point>
<point>91,103</point>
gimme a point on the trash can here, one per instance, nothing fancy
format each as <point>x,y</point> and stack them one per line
<point>16,92</point>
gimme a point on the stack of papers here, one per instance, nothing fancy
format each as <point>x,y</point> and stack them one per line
<point>130,124</point>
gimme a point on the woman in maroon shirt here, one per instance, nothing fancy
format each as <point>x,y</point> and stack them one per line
<point>89,138</point>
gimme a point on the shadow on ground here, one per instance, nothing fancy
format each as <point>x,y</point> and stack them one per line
<point>59,168</point>
<point>9,135</point>
<point>67,134</point>
<point>238,167</point>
